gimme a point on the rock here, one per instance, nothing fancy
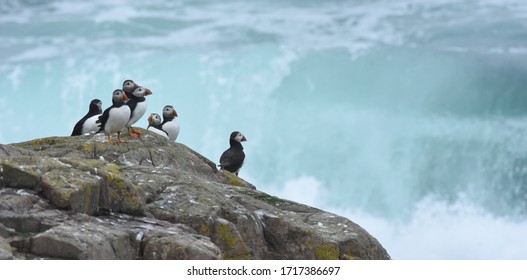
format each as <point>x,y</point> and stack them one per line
<point>5,250</point>
<point>88,241</point>
<point>6,232</point>
<point>82,185</point>
<point>83,198</point>
<point>180,247</point>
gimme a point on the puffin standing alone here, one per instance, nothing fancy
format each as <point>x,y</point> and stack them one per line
<point>137,104</point>
<point>154,125</point>
<point>89,123</point>
<point>232,159</point>
<point>115,117</point>
<point>170,124</point>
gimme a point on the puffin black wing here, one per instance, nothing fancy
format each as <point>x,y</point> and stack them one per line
<point>77,130</point>
<point>232,160</point>
<point>132,103</point>
<point>94,109</point>
<point>104,118</point>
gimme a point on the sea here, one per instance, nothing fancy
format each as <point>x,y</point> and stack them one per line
<point>409,117</point>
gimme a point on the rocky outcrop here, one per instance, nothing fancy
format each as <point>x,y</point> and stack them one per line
<point>83,198</point>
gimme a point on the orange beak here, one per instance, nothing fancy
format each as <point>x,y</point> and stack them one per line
<point>150,119</point>
<point>175,113</point>
<point>243,138</point>
<point>148,92</point>
<point>125,97</point>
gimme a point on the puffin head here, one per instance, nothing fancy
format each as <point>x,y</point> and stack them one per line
<point>154,119</point>
<point>129,86</point>
<point>96,106</point>
<point>141,92</point>
<point>119,96</point>
<point>236,135</point>
<point>169,112</point>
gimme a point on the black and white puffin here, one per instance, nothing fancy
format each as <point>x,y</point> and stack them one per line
<point>170,123</point>
<point>137,104</point>
<point>232,159</point>
<point>116,116</point>
<point>154,125</point>
<point>88,123</point>
<point>129,86</point>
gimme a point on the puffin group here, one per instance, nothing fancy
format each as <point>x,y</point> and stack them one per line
<point>129,106</point>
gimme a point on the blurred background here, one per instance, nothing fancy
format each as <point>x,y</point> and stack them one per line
<point>407,117</point>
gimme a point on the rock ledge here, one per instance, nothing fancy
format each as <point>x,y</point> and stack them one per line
<point>83,198</point>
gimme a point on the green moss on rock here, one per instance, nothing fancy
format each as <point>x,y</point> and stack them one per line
<point>234,180</point>
<point>327,252</point>
<point>269,199</point>
<point>119,193</point>
<point>226,237</point>
<point>204,230</point>
<point>231,244</point>
<point>43,142</point>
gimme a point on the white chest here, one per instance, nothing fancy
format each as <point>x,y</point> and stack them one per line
<point>158,131</point>
<point>90,125</point>
<point>172,128</point>
<point>138,112</point>
<point>117,119</point>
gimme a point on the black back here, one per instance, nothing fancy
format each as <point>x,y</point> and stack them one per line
<point>93,110</point>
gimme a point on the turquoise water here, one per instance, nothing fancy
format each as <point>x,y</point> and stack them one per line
<point>408,117</point>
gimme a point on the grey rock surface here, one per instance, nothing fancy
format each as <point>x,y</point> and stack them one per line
<point>6,253</point>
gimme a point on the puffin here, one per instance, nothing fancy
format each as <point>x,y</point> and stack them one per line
<point>232,159</point>
<point>170,123</point>
<point>154,125</point>
<point>116,116</point>
<point>88,123</point>
<point>137,105</point>
<point>129,86</point>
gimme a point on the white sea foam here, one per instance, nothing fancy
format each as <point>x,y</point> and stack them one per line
<point>446,230</point>
<point>305,189</point>
<point>355,27</point>
<point>14,77</point>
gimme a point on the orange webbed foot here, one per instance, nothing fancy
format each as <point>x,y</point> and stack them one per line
<point>137,131</point>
